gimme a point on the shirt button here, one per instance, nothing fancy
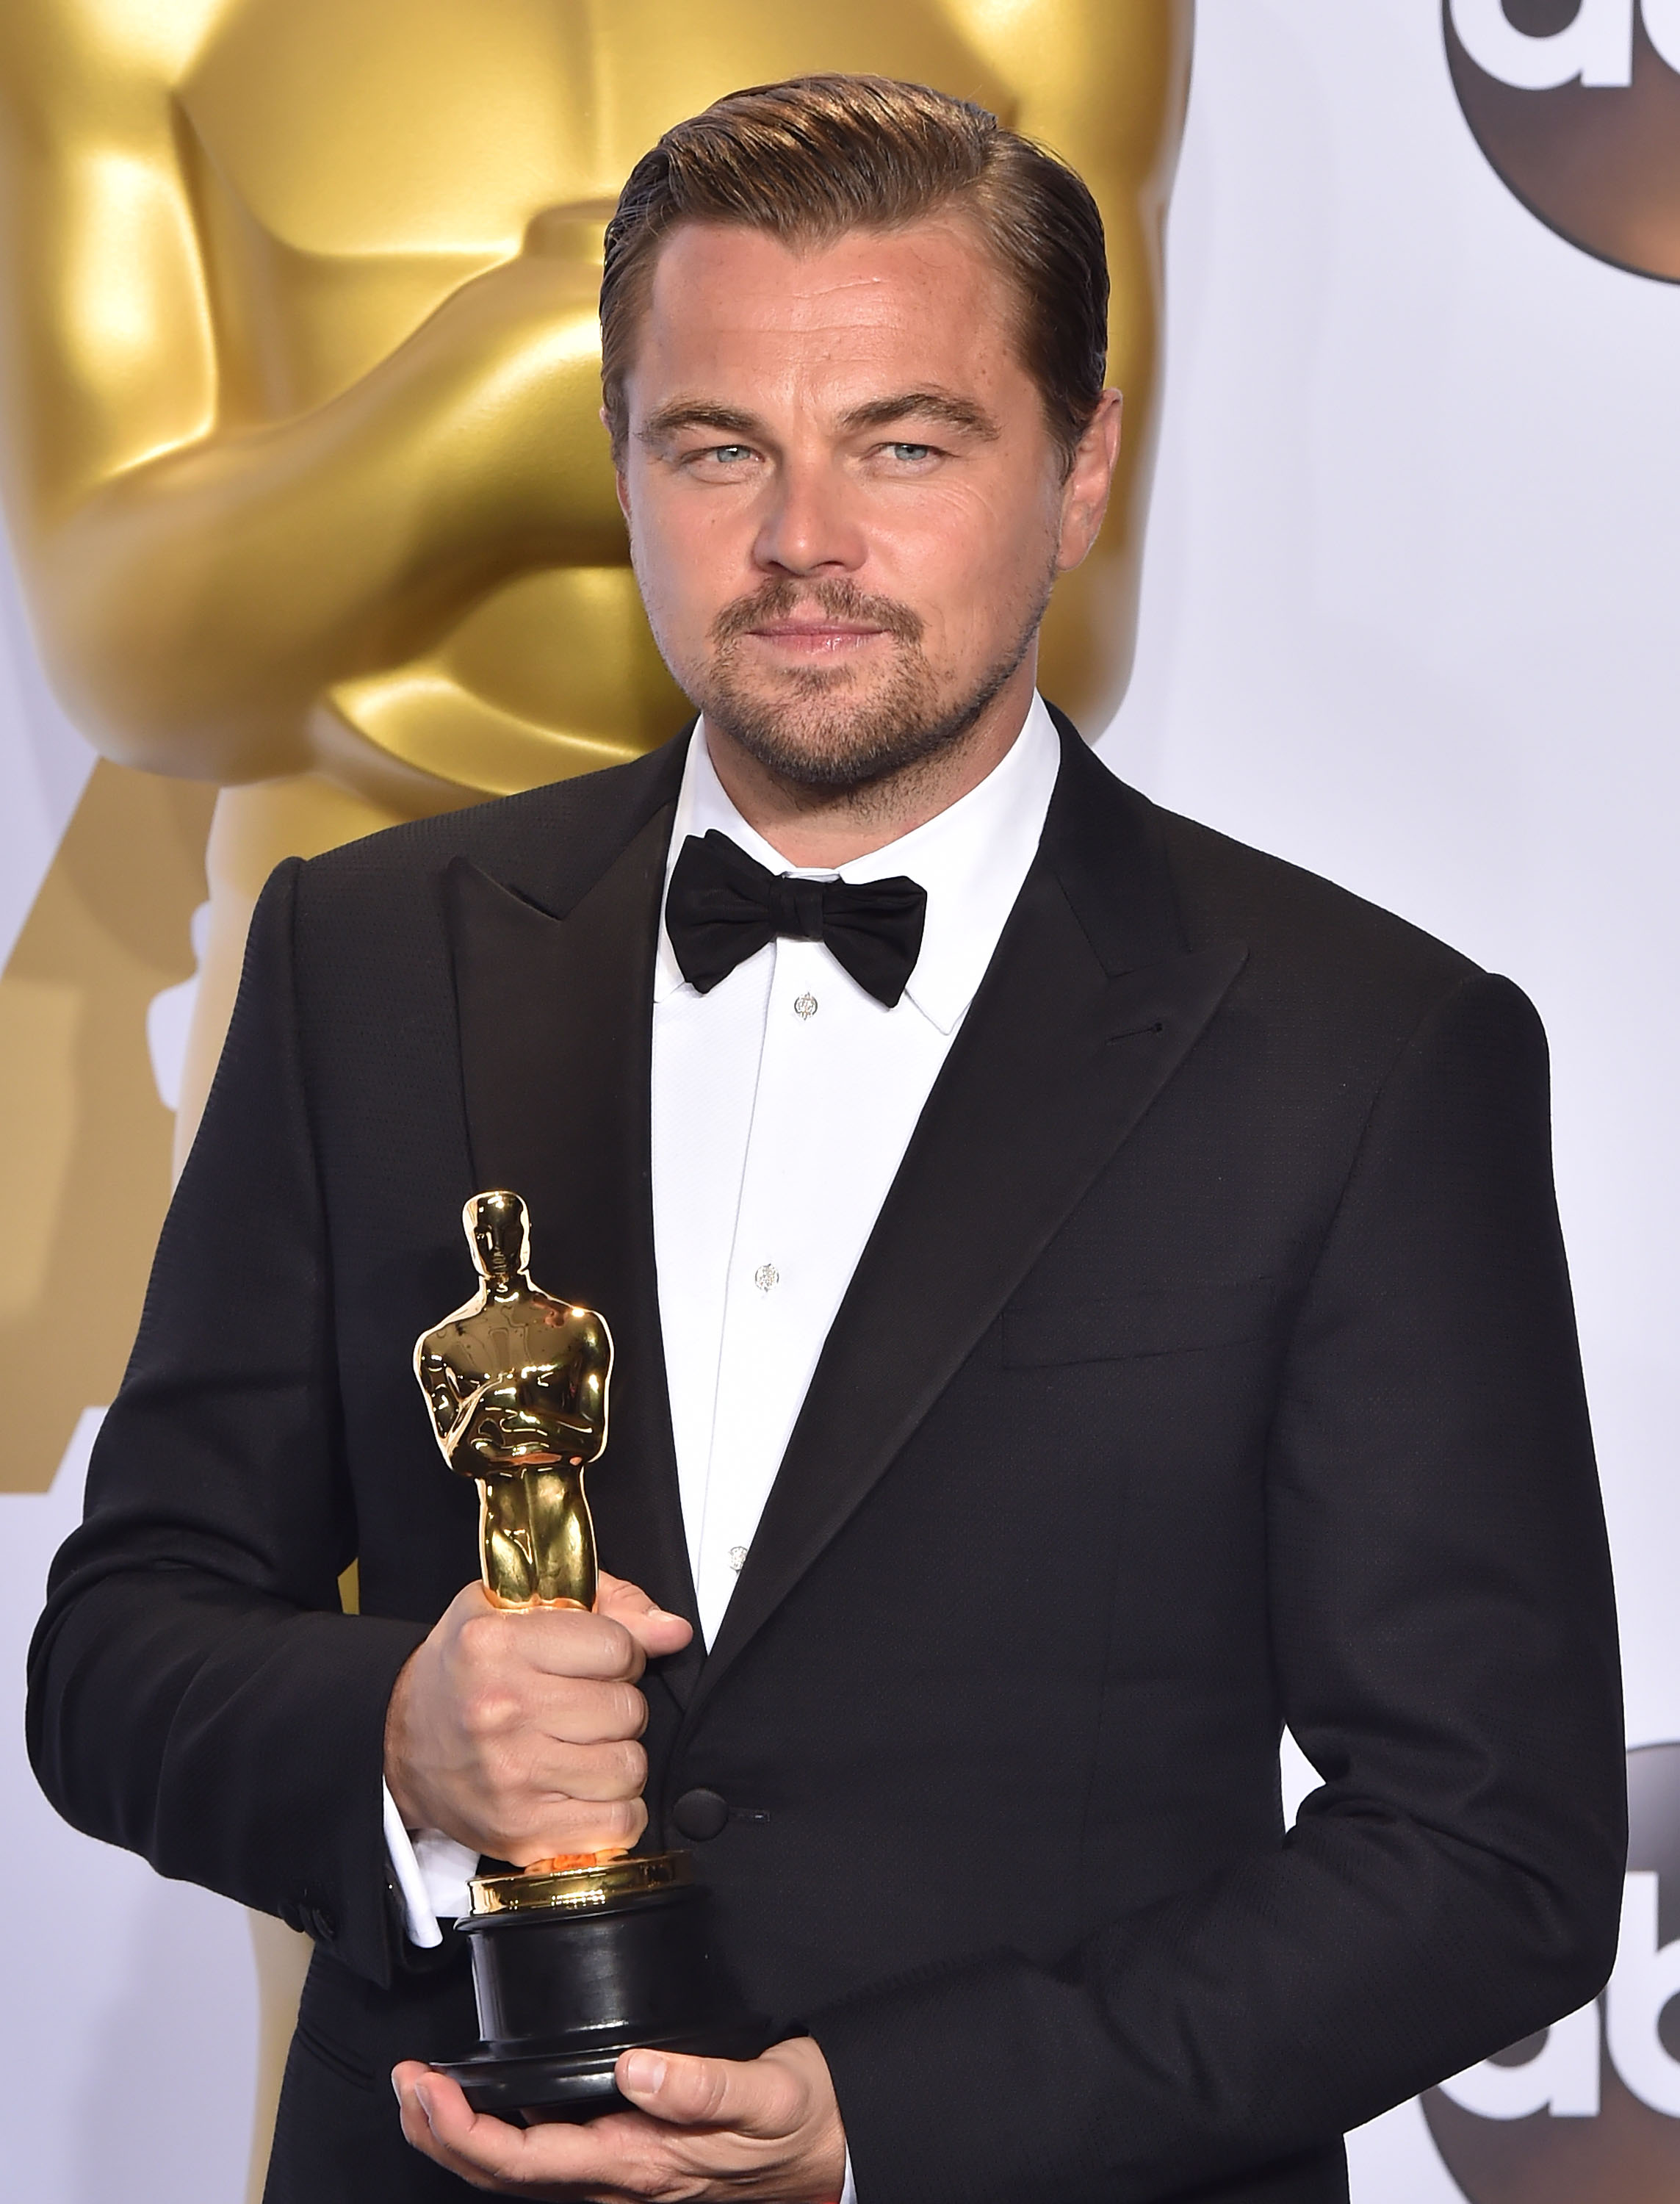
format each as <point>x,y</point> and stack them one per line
<point>765,1277</point>
<point>806,1007</point>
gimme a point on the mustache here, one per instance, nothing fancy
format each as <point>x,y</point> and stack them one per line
<point>835,599</point>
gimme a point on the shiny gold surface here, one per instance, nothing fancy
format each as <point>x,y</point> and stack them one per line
<point>298,378</point>
<point>300,460</point>
<point>516,1384</point>
<point>583,1889</point>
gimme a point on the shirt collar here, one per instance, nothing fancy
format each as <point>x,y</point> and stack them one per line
<point>972,859</point>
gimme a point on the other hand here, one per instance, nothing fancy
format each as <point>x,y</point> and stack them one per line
<point>517,1732</point>
<point>704,2129</point>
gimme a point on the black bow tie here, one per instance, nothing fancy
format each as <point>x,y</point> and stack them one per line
<point>723,906</point>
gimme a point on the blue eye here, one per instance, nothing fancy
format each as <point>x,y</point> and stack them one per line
<point>910,450</point>
<point>729,455</point>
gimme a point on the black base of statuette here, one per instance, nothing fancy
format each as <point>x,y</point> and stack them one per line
<point>579,2085</point>
<point>578,1968</point>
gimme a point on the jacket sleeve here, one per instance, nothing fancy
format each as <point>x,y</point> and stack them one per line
<point>1444,1649</point>
<point>196,1693</point>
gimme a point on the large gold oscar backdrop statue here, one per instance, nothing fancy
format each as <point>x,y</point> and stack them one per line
<point>306,488</point>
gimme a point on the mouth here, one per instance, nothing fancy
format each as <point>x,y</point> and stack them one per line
<point>818,638</point>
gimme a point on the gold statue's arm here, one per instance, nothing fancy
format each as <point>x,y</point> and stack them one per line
<point>199,586</point>
<point>450,1398</point>
<point>1104,83</point>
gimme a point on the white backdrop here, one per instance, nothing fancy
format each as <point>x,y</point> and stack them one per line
<point>1407,620</point>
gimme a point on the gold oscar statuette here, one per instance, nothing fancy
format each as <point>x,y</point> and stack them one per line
<point>578,1958</point>
<point>516,1384</point>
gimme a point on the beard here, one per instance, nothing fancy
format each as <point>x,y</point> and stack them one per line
<point>814,729</point>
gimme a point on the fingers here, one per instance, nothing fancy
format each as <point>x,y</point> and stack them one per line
<point>568,1827</point>
<point>607,2160</point>
<point>625,1631</point>
<point>557,1641</point>
<point>764,2128</point>
<point>518,1731</point>
<point>437,2119</point>
<point>598,1773</point>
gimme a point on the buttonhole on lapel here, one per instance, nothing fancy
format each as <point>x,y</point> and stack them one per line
<point>1154,1025</point>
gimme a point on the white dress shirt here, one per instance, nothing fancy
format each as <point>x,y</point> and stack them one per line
<point>783,1102</point>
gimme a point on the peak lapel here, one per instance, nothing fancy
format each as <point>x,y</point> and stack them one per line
<point>1089,1007</point>
<point>556,1036</point>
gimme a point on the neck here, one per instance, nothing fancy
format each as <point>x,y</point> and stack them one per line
<point>821,829</point>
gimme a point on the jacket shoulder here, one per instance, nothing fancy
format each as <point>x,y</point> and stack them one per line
<point>1303,933</point>
<point>377,905</point>
<point>552,842</point>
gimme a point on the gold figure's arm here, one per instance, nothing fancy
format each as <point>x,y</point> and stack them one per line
<point>1104,83</point>
<point>452,1399</point>
<point>200,583</point>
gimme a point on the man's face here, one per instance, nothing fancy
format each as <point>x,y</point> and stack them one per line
<point>845,507</point>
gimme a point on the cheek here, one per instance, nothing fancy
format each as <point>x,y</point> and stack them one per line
<point>972,573</point>
<point>684,564</point>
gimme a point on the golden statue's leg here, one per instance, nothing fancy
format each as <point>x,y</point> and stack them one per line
<point>83,1137</point>
<point>562,1536</point>
<point>503,1541</point>
<point>255,828</point>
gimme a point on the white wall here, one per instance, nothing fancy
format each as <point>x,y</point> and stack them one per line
<point>1406,621</point>
<point>1409,621</point>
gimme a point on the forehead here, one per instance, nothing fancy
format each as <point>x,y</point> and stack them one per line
<point>731,305</point>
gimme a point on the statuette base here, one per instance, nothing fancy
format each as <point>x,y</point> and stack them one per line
<point>571,1970</point>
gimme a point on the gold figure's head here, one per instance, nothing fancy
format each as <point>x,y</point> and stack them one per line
<point>516,1384</point>
<point>499,1233</point>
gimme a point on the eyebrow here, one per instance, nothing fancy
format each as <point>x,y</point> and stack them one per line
<point>694,413</point>
<point>944,405</point>
<point>927,405</point>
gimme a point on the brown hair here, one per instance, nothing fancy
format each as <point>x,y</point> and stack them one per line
<point>812,158</point>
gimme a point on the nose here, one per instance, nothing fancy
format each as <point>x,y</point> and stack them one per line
<point>809,526</point>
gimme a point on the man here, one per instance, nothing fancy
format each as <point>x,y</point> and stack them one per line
<point>1085,1295</point>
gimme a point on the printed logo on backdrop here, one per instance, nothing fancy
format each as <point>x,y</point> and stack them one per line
<point>1577,105</point>
<point>1589,2111</point>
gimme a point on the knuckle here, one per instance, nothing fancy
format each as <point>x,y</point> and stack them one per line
<point>624,1770</point>
<point>504,1781</point>
<point>625,1819</point>
<point>477,1641</point>
<point>484,1713</point>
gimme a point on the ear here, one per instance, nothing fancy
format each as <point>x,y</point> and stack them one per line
<point>1085,494</point>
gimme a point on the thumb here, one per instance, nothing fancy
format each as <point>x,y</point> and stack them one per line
<point>654,1629</point>
<point>754,2096</point>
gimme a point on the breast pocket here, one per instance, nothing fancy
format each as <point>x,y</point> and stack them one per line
<point>1162,1320</point>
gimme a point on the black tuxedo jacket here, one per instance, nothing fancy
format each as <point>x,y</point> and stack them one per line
<point>1212,1366</point>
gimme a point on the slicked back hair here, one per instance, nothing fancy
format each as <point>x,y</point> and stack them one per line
<point>809,160</point>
